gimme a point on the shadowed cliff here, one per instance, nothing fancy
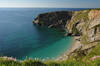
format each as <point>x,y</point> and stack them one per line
<point>53,19</point>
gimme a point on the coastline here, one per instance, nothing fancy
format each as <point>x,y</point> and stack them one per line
<point>84,25</point>
<point>75,44</point>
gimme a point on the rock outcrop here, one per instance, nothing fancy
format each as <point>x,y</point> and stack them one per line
<point>53,19</point>
<point>94,14</point>
<point>85,24</point>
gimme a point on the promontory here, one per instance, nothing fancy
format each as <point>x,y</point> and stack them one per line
<point>84,25</point>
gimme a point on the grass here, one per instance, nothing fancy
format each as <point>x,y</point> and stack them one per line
<point>70,62</point>
<point>75,31</point>
<point>95,51</point>
<point>84,39</point>
<point>79,61</point>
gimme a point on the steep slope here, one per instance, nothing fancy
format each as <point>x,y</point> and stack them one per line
<point>53,19</point>
<point>85,24</point>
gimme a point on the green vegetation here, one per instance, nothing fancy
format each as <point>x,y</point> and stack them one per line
<point>70,62</point>
<point>79,60</point>
<point>75,31</point>
<point>79,16</point>
<point>84,39</point>
<point>96,9</point>
<point>82,15</point>
<point>95,51</point>
<point>75,61</point>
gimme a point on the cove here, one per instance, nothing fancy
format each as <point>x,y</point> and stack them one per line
<point>20,39</point>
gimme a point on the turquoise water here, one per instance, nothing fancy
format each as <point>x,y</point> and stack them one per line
<point>19,38</point>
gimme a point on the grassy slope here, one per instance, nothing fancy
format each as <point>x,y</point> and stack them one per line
<point>71,62</point>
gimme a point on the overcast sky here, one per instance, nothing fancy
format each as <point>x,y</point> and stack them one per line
<point>51,3</point>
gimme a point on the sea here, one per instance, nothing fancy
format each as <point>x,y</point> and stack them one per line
<point>21,39</point>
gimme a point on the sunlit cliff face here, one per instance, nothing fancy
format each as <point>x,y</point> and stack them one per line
<point>94,14</point>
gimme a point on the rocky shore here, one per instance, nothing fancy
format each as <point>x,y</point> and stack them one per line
<point>75,49</point>
<point>83,25</point>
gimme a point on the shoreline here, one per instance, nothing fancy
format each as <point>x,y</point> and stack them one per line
<point>75,44</point>
<point>66,55</point>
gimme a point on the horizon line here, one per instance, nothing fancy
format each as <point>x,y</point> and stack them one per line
<point>48,7</point>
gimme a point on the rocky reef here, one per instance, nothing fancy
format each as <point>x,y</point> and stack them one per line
<point>84,24</point>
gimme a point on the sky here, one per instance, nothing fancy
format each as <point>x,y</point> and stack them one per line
<point>51,3</point>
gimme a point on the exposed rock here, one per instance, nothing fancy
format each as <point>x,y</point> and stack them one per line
<point>94,23</point>
<point>53,19</point>
<point>77,23</point>
<point>94,14</point>
<point>79,49</point>
<point>89,28</point>
<point>85,24</point>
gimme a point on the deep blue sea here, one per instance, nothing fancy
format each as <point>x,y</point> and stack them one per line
<point>20,39</point>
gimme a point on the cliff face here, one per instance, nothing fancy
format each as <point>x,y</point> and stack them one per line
<point>94,14</point>
<point>53,19</point>
<point>84,24</point>
<point>77,22</point>
<point>87,24</point>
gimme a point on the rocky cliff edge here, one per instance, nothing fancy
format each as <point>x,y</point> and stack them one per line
<point>84,24</point>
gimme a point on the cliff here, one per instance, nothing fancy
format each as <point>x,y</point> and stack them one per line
<point>53,19</point>
<point>85,24</point>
